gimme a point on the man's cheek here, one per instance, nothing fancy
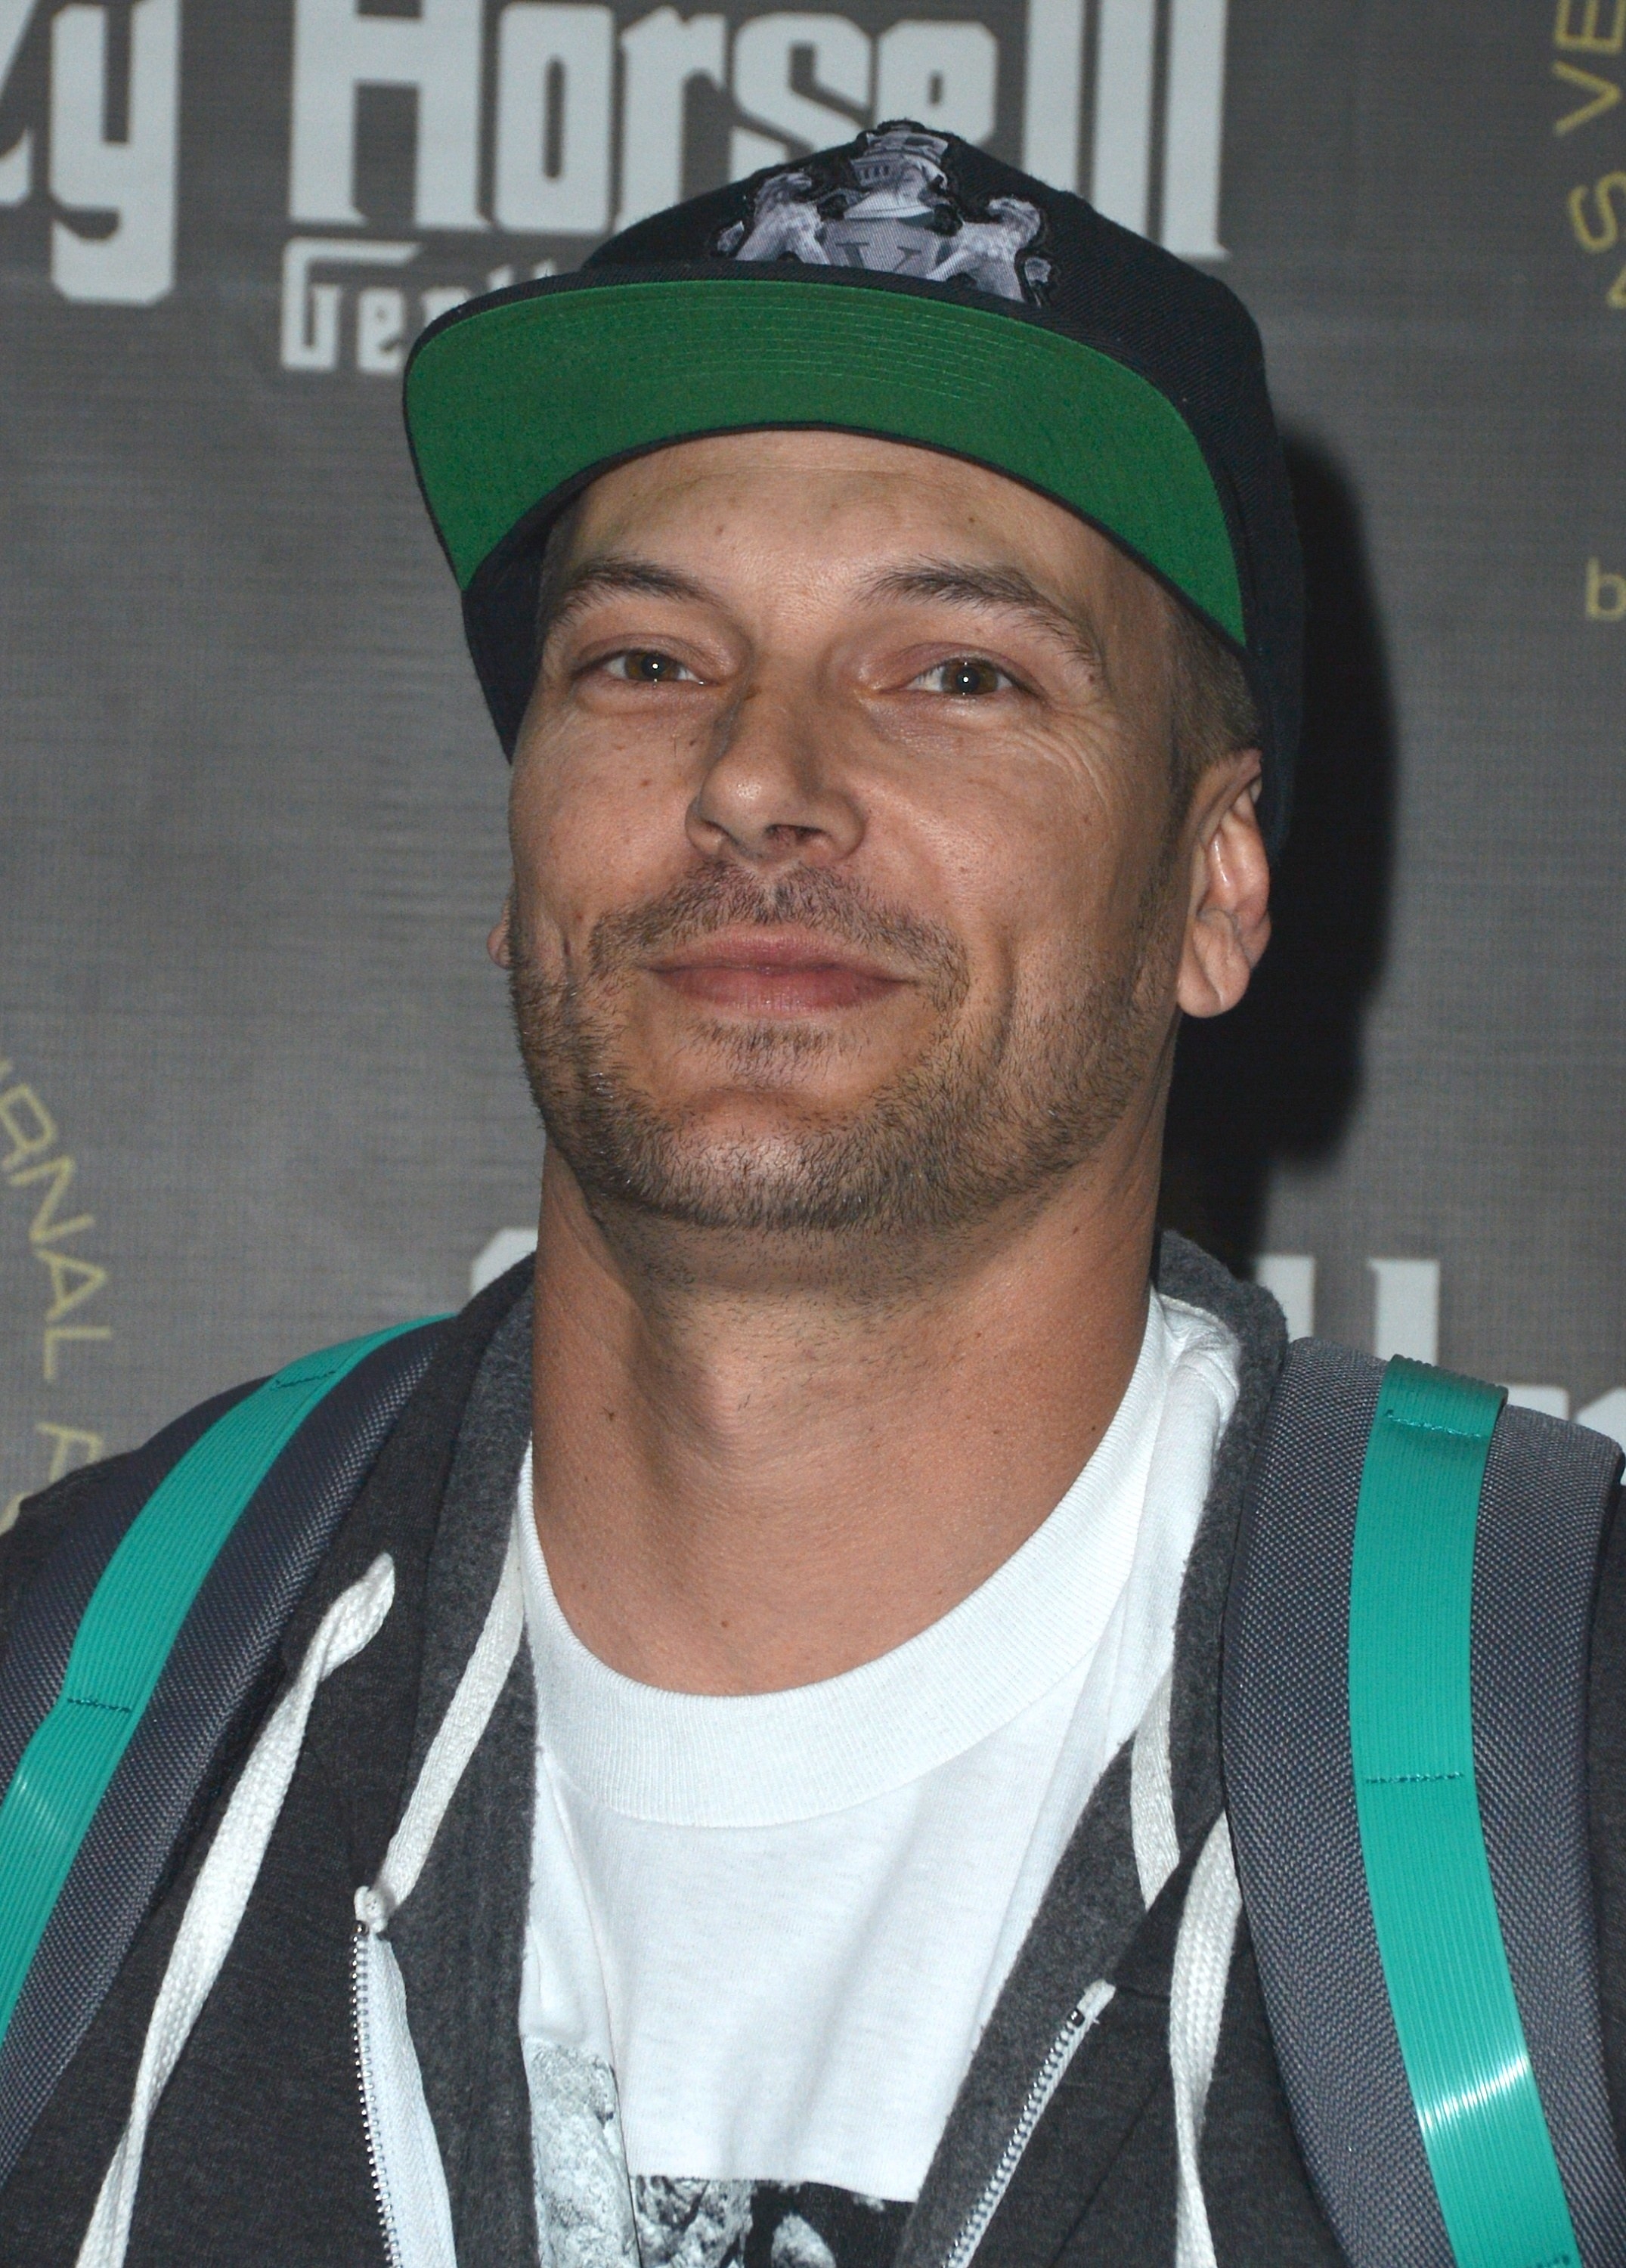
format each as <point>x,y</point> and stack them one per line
<point>609,844</point>
<point>553,916</point>
<point>571,876</point>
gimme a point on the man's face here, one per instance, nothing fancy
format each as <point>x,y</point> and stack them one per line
<point>848,895</point>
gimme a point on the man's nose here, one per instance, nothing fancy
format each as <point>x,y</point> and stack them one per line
<point>772,792</point>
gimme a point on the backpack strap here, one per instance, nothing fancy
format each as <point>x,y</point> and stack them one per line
<point>131,1657</point>
<point>1404,1725</point>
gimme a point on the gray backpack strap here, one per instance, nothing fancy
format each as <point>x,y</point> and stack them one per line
<point>274,1495</point>
<point>1547,1493</point>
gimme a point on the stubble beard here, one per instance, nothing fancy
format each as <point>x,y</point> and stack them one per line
<point>995,1107</point>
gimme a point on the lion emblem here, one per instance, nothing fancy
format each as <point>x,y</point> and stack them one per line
<point>891,208</point>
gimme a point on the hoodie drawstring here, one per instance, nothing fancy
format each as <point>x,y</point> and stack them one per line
<point>1202,1951</point>
<point>485,1674</point>
<point>1152,1797</point>
<point>221,1894</point>
<point>408,2178</point>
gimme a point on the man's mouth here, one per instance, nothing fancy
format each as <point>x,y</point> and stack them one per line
<point>761,972</point>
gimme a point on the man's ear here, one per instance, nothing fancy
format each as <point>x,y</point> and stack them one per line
<point>499,944</point>
<point>1228,917</point>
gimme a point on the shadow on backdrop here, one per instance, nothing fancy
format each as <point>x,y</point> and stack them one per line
<point>1280,1076</point>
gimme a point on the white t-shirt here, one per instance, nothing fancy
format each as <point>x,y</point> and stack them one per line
<point>766,1932</point>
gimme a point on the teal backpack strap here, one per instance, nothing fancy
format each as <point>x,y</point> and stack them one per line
<point>1416,1798</point>
<point>180,1625</point>
<point>1404,1726</point>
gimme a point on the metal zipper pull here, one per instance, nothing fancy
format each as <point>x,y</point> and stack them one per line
<point>1080,2021</point>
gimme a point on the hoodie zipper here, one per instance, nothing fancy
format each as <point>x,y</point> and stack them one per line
<point>391,2247</point>
<point>1049,2077</point>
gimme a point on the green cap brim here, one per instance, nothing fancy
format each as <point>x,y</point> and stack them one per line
<point>516,400</point>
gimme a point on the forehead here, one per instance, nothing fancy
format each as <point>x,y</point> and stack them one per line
<point>844,499</point>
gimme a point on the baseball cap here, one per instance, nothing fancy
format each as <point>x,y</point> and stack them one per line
<point>907,285</point>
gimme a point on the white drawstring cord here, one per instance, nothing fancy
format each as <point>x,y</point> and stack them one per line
<point>401,2145</point>
<point>1196,2003</point>
<point>1152,1797</point>
<point>221,1893</point>
<point>1202,1952</point>
<point>485,1674</point>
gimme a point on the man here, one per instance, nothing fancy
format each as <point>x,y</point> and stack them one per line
<point>743,1783</point>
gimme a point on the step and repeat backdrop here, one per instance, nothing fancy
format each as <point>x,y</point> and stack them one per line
<point>256,1085</point>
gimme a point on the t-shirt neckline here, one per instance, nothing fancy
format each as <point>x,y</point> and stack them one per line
<point>755,1760</point>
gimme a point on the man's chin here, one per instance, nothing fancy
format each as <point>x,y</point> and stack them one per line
<point>735,1123</point>
<point>761,1173</point>
<point>825,1151</point>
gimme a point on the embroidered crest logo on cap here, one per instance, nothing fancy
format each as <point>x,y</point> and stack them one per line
<point>891,208</point>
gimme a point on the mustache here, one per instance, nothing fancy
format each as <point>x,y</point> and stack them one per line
<point>724,898</point>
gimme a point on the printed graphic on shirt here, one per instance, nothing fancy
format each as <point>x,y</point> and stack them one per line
<point>590,2214</point>
<point>894,209</point>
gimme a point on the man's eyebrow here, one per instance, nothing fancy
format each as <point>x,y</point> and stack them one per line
<point>1006,588</point>
<point>596,578</point>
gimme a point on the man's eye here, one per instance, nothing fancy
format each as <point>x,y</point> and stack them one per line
<point>647,668</point>
<point>965,678</point>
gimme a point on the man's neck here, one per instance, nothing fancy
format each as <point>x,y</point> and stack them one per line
<point>754,1478</point>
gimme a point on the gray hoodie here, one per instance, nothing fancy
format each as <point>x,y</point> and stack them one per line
<point>1089,2144</point>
